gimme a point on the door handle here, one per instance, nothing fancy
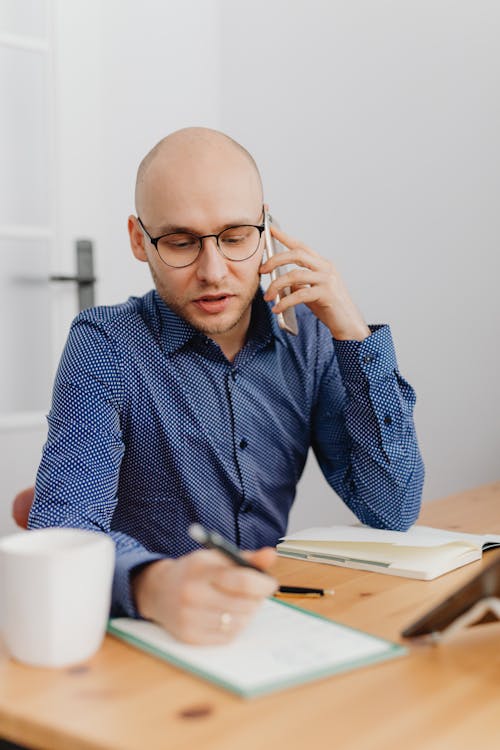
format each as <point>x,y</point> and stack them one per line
<point>84,277</point>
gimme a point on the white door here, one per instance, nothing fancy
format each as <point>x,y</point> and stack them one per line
<point>34,312</point>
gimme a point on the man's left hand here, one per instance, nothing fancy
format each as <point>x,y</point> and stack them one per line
<point>317,284</point>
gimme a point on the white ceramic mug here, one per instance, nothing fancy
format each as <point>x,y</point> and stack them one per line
<point>55,592</point>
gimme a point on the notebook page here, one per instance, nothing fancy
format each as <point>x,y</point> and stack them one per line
<point>282,645</point>
<point>417,536</point>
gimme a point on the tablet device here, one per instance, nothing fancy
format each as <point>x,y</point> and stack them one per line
<point>483,585</point>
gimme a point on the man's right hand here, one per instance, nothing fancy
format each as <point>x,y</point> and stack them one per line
<point>203,598</point>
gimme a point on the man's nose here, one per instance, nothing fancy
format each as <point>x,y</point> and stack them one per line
<point>211,266</point>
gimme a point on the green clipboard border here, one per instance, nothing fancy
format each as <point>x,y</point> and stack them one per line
<point>394,650</point>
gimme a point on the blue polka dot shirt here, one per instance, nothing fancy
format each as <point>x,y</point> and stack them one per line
<point>152,428</point>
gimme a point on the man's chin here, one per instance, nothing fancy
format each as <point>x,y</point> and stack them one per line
<point>214,324</point>
<point>220,323</point>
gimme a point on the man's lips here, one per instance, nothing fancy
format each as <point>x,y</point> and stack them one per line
<point>213,303</point>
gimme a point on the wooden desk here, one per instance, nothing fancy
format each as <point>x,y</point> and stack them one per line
<point>436,698</point>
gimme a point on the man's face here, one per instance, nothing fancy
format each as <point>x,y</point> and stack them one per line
<point>203,194</point>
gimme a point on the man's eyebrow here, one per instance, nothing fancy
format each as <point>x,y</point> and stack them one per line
<point>177,229</point>
<point>171,228</point>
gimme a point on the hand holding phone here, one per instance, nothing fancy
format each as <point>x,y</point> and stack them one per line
<point>287,320</point>
<point>313,281</point>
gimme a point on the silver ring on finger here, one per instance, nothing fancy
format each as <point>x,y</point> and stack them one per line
<point>225,621</point>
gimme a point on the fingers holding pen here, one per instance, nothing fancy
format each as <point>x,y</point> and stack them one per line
<point>221,604</point>
<point>244,584</point>
<point>203,597</point>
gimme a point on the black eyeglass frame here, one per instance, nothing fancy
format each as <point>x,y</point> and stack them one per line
<point>154,241</point>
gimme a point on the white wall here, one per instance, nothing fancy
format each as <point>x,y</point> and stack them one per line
<point>376,126</point>
<point>159,72</point>
<point>129,73</point>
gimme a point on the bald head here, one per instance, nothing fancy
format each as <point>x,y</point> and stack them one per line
<point>192,150</point>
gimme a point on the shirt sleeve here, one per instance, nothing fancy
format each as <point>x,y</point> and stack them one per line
<point>77,480</point>
<point>363,432</point>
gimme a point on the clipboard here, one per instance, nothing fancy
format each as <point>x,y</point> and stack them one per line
<point>474,603</point>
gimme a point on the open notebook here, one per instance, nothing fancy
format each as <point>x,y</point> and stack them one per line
<point>282,646</point>
<point>421,552</point>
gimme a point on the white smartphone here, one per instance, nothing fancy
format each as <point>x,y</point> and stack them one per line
<point>287,320</point>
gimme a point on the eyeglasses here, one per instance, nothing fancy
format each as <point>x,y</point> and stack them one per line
<point>181,249</point>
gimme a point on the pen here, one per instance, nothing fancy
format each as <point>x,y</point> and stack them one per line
<point>214,540</point>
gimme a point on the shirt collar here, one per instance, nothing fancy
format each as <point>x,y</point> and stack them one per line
<point>176,332</point>
<point>264,323</point>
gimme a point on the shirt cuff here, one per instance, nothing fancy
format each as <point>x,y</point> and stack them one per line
<point>372,359</point>
<point>122,601</point>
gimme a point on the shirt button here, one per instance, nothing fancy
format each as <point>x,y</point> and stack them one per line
<point>387,419</point>
<point>246,507</point>
<point>234,374</point>
<point>243,443</point>
<point>367,359</point>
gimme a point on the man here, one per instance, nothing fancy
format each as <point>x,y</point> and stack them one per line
<point>190,404</point>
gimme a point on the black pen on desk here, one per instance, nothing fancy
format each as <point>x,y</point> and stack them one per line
<point>214,540</point>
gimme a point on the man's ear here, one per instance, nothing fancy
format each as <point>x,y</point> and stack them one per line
<point>137,239</point>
